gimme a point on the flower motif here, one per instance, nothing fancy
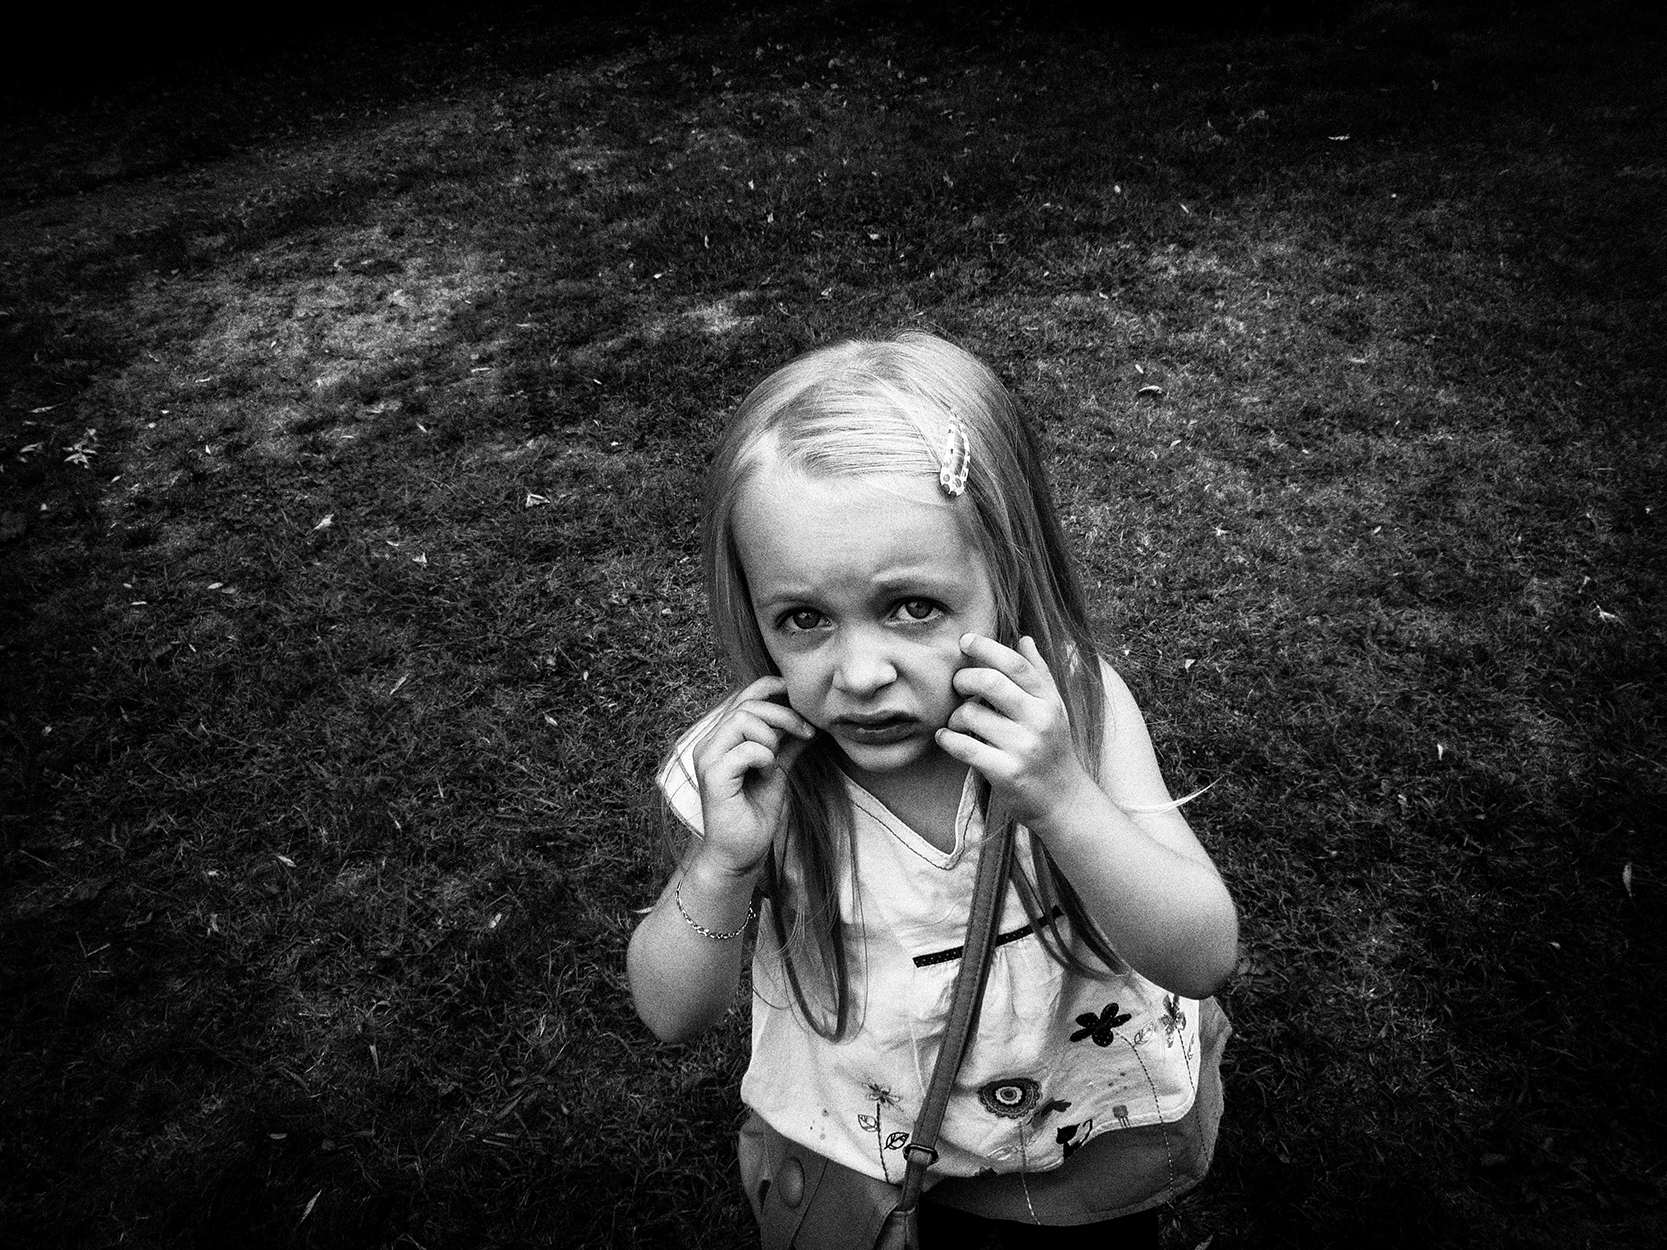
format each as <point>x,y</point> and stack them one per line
<point>1173,1018</point>
<point>1102,1028</point>
<point>880,1094</point>
<point>1011,1097</point>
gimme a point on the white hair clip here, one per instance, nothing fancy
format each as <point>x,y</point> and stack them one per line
<point>957,458</point>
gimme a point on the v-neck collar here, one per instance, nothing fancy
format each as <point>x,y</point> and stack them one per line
<point>966,812</point>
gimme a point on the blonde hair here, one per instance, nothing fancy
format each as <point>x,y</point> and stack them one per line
<point>881,409</point>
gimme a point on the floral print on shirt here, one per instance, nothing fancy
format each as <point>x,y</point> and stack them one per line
<point>883,1099</point>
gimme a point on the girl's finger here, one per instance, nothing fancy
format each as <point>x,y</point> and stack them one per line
<point>742,758</point>
<point>1033,655</point>
<point>780,716</point>
<point>790,752</point>
<point>978,719</point>
<point>752,757</point>
<point>974,754</point>
<point>754,728</point>
<point>732,727</point>
<point>994,687</point>
<point>1028,671</point>
<point>762,688</point>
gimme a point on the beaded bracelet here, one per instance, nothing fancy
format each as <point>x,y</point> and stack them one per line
<point>677,897</point>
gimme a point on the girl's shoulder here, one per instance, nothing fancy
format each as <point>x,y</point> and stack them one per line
<point>677,779</point>
<point>1131,775</point>
<point>1119,699</point>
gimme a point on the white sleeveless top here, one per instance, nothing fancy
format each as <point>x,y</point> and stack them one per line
<point>1058,1058</point>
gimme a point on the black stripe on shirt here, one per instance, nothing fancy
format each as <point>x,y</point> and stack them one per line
<point>1002,939</point>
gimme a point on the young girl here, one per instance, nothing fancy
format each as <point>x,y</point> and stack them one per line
<point>888,576</point>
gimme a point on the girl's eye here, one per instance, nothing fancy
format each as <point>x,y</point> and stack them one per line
<point>919,609</point>
<point>803,618</point>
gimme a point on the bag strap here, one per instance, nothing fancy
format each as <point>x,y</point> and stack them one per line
<point>994,864</point>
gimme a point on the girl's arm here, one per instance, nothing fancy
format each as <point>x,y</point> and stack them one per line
<point>1141,874</point>
<point>682,980</point>
<point>682,972</point>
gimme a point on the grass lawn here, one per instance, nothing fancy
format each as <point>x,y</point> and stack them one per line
<point>354,398</point>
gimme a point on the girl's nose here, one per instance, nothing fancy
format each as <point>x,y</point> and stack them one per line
<point>863,666</point>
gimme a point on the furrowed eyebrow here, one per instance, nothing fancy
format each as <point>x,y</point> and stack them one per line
<point>925,582</point>
<point>930,581</point>
<point>784,599</point>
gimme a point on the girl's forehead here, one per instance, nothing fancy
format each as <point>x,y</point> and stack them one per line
<point>787,519</point>
<point>780,484</point>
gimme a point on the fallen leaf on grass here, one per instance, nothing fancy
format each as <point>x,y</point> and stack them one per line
<point>534,501</point>
<point>1607,618</point>
<point>1150,389</point>
<point>398,684</point>
<point>310,1202</point>
<point>285,860</point>
<point>422,560</point>
<point>325,522</point>
<point>1626,879</point>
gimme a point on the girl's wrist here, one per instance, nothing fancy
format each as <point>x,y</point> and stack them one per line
<point>1072,809</point>
<point>712,873</point>
<point>713,897</point>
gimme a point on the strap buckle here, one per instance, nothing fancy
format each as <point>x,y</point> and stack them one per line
<point>931,1154</point>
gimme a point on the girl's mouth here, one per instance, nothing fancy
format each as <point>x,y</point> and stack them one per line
<point>878,731</point>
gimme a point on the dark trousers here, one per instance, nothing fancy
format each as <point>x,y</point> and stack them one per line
<point>945,1228</point>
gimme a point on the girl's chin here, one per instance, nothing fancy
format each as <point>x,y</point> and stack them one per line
<point>875,757</point>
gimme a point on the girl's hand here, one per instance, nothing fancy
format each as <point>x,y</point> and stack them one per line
<point>1013,729</point>
<point>742,765</point>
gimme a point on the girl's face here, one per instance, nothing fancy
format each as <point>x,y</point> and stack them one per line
<point>862,589</point>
